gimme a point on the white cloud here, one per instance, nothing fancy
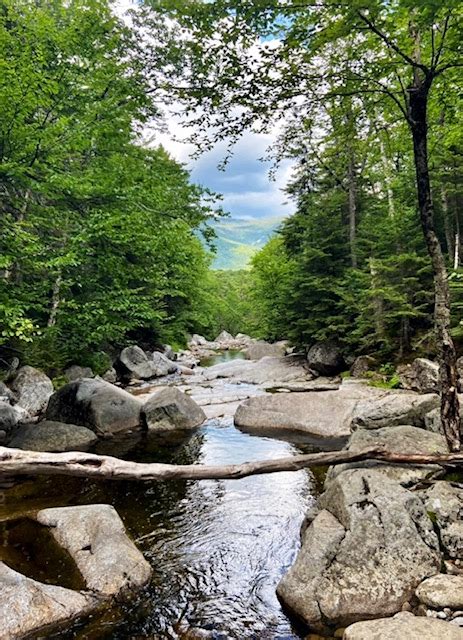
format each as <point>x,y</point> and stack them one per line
<point>245,183</point>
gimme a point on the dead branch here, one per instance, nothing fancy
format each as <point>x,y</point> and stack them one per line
<point>16,462</point>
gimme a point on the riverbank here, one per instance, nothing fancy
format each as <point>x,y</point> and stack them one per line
<point>219,550</point>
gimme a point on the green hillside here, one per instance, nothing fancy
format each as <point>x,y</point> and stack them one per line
<point>239,239</point>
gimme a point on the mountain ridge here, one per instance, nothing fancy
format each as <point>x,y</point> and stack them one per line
<point>239,238</point>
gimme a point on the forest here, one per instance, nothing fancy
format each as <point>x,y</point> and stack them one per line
<point>101,235</point>
<point>336,354</point>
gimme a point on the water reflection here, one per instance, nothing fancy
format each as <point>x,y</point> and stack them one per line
<point>218,548</point>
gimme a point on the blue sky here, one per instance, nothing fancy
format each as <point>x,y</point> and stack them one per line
<point>247,190</point>
<point>245,185</point>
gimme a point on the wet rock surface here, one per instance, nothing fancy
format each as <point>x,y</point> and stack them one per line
<point>28,606</point>
<point>95,538</point>
<point>53,436</point>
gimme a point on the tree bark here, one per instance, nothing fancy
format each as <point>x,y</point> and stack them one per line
<point>16,462</point>
<point>449,236</point>
<point>377,302</point>
<point>352,191</point>
<point>387,177</point>
<point>450,410</point>
<point>55,301</point>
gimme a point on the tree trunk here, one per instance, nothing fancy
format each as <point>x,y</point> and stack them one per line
<point>456,255</point>
<point>16,462</point>
<point>55,302</point>
<point>378,305</point>
<point>450,410</point>
<point>449,237</point>
<point>387,177</point>
<point>352,190</point>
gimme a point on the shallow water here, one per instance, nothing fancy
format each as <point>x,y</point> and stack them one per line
<point>222,356</point>
<point>218,548</point>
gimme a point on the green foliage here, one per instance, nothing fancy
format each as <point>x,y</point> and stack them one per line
<point>100,236</point>
<point>226,304</point>
<point>337,78</point>
<point>270,279</point>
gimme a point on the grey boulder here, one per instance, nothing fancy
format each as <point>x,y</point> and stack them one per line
<point>403,626</point>
<point>95,538</point>
<point>170,409</point>
<point>442,591</point>
<point>97,405</point>
<point>110,375</point>
<point>6,395</point>
<point>28,607</point>
<point>8,418</point>
<point>363,555</point>
<point>75,372</point>
<point>444,503</point>
<point>399,439</point>
<point>33,390</point>
<point>394,409</point>
<point>53,436</point>
<point>362,365</point>
<point>422,376</point>
<point>261,349</point>
<point>134,363</point>
<point>326,359</point>
<point>224,338</point>
<point>163,365</point>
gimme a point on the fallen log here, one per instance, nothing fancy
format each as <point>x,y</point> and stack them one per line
<point>16,462</point>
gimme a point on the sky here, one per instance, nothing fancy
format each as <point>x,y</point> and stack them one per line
<point>247,190</point>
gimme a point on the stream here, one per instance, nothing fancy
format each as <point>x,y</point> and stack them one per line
<point>218,548</point>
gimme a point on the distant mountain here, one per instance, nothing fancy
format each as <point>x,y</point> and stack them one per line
<point>238,239</point>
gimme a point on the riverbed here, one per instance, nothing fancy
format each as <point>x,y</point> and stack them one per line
<point>218,548</point>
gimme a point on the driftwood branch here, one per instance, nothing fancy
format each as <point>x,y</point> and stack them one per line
<point>16,462</point>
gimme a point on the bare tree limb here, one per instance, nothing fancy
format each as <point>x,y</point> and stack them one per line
<point>371,25</point>
<point>16,462</point>
<point>442,40</point>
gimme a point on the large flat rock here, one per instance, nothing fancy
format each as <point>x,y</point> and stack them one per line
<point>28,607</point>
<point>324,414</point>
<point>364,553</point>
<point>96,539</point>
<point>403,626</point>
<point>268,371</point>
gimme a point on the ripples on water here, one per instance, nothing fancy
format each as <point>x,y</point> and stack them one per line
<point>218,548</point>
